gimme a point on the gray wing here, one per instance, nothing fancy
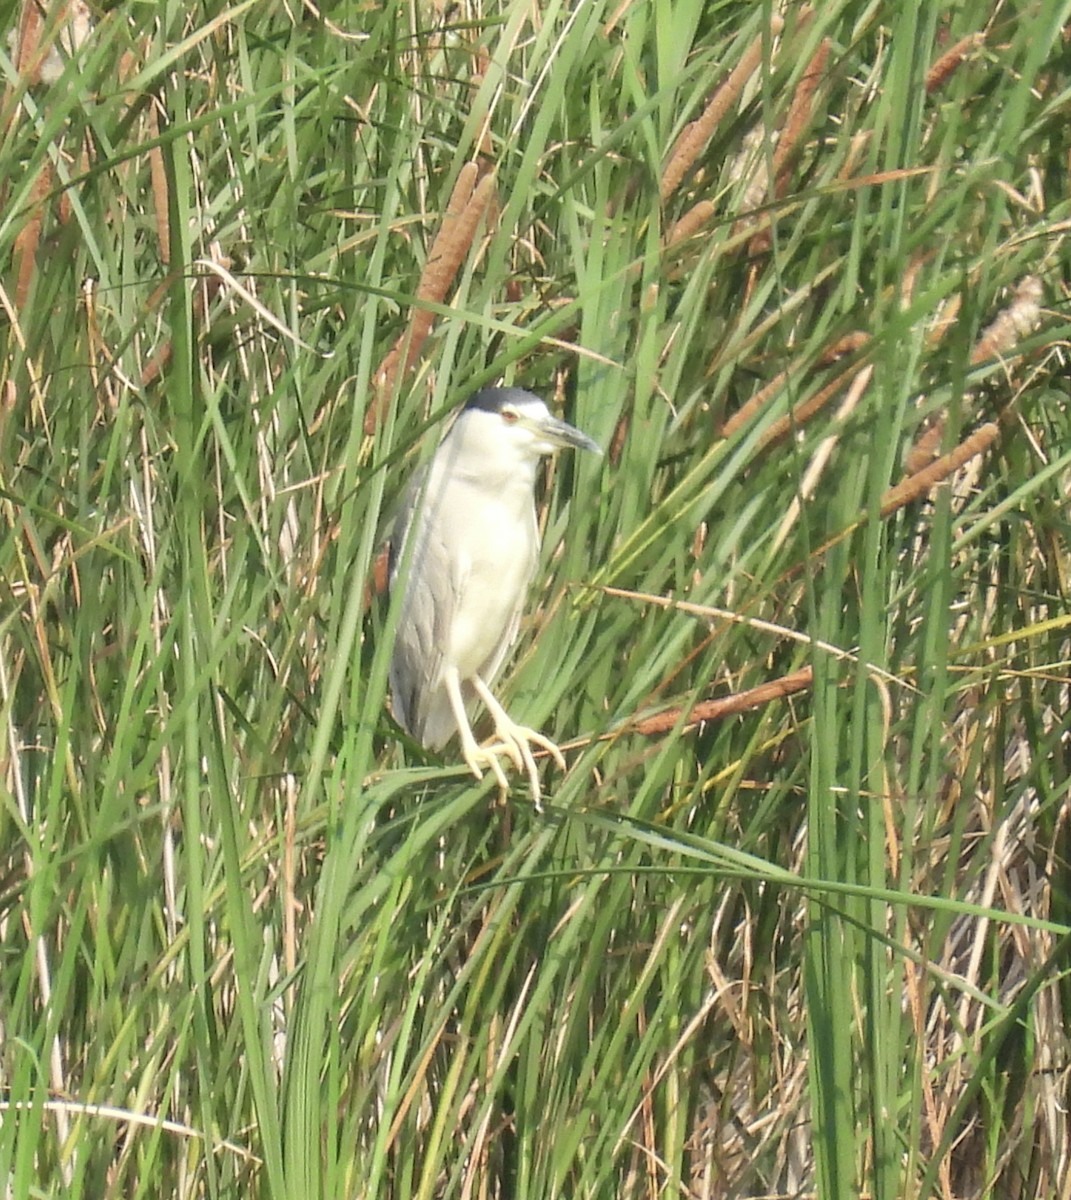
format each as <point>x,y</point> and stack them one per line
<point>420,703</point>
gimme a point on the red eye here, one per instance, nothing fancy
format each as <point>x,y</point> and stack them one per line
<point>510,416</point>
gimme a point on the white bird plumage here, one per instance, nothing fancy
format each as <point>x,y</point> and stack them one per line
<point>465,553</point>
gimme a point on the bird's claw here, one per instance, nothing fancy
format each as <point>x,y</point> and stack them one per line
<point>512,741</point>
<point>515,743</point>
<point>477,757</point>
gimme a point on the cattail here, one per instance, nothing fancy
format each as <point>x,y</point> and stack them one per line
<point>786,144</point>
<point>945,319</point>
<point>29,236</point>
<point>38,61</point>
<point>464,211</point>
<point>1017,321</point>
<point>799,115</point>
<point>690,224</point>
<point>942,70</point>
<point>802,413</point>
<point>158,181</point>
<point>847,343</point>
<point>924,481</point>
<point>28,52</point>
<point>820,460</point>
<point>455,238</point>
<point>695,135</point>
<point>926,448</point>
<point>464,185</point>
<point>620,437</point>
<point>752,407</point>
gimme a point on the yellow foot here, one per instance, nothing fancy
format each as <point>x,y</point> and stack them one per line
<point>479,757</point>
<point>516,742</point>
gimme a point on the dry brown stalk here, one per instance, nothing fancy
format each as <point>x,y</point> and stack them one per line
<point>1017,321</point>
<point>942,70</point>
<point>483,140</point>
<point>695,135</point>
<point>924,481</point>
<point>464,211</point>
<point>799,116</point>
<point>692,221</point>
<point>728,706</point>
<point>857,144</point>
<point>618,13</point>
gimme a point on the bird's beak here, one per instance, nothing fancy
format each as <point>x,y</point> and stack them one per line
<point>562,434</point>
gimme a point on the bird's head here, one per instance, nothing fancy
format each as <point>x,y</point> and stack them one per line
<point>510,423</point>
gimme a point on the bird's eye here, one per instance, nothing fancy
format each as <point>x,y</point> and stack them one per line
<point>511,416</point>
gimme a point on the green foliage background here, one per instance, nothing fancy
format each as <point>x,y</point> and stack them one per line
<point>254,943</point>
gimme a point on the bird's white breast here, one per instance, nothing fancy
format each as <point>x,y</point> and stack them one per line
<point>491,540</point>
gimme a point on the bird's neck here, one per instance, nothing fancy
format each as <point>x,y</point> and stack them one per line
<point>506,475</point>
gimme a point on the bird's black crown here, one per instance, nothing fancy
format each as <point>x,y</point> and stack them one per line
<point>491,399</point>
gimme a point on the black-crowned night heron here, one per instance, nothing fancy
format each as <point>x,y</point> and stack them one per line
<point>475,545</point>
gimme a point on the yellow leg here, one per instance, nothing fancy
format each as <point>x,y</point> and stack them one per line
<point>520,738</point>
<point>476,756</point>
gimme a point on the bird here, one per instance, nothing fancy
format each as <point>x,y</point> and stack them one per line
<point>464,552</point>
